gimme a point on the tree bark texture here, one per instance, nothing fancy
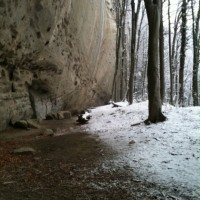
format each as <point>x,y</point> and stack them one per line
<point>196,54</point>
<point>162,65</point>
<point>116,80</point>
<point>182,51</point>
<point>123,84</point>
<point>170,56</point>
<point>133,48</point>
<point>174,60</point>
<point>133,40</point>
<point>154,14</point>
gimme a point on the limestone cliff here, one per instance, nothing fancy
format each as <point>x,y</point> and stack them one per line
<point>54,55</point>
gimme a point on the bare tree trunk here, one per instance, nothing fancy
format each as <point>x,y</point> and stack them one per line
<point>139,34</point>
<point>122,56</point>
<point>196,54</point>
<point>172,52</point>
<point>174,63</point>
<point>138,43</point>
<point>162,67</point>
<point>154,13</point>
<point>133,45</point>
<point>176,71</point>
<point>182,52</point>
<point>170,57</point>
<point>130,93</point>
<point>144,79</point>
<point>117,50</point>
<point>124,52</point>
<point>144,73</point>
<point>120,12</point>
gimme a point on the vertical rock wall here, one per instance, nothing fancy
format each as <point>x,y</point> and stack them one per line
<point>54,55</point>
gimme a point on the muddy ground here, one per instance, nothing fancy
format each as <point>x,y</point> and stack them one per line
<point>72,165</point>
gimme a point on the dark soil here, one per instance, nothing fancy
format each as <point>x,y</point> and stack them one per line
<point>70,165</point>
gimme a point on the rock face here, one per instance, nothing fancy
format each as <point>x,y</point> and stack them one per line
<point>54,55</point>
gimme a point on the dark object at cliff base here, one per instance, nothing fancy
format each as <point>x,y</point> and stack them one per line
<point>27,124</point>
<point>59,115</point>
<point>115,105</point>
<point>84,117</point>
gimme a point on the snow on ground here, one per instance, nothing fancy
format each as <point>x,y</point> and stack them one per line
<point>167,152</point>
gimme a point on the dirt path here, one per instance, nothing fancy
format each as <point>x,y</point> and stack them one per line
<point>70,165</point>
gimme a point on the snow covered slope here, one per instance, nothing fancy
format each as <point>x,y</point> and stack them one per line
<point>167,152</point>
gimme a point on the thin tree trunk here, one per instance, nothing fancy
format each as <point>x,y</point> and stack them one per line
<point>123,53</point>
<point>133,35</point>
<point>138,45</point>
<point>170,56</point>
<point>176,72</point>
<point>115,95</point>
<point>133,46</point>
<point>174,63</point>
<point>144,73</point>
<point>144,79</point>
<point>162,67</point>
<point>122,57</point>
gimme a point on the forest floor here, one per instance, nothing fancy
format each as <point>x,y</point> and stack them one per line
<point>81,163</point>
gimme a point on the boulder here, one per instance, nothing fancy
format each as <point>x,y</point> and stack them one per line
<point>33,124</point>
<point>59,115</point>
<point>47,132</point>
<point>24,150</point>
<point>49,116</point>
<point>65,114</point>
<point>21,124</point>
<point>26,124</point>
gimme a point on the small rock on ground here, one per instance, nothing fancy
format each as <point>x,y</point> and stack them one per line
<point>24,150</point>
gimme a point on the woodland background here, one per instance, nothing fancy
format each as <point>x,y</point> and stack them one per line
<point>179,47</point>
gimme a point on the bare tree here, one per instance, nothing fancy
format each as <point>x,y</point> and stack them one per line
<point>133,42</point>
<point>196,53</point>
<point>174,60</point>
<point>133,35</point>
<point>124,64</point>
<point>182,51</point>
<point>118,75</point>
<point>161,49</point>
<point>153,9</point>
<point>170,56</point>
<point>133,45</point>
